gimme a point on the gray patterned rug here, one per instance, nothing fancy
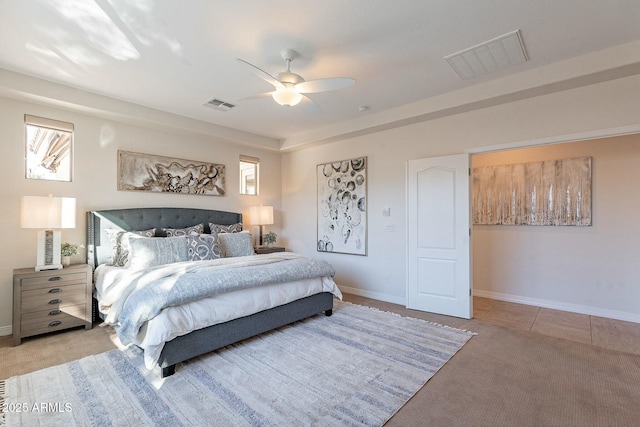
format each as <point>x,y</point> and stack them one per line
<point>357,367</point>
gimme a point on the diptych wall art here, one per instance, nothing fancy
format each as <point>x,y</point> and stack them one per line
<point>342,206</point>
<point>552,192</point>
<point>146,172</point>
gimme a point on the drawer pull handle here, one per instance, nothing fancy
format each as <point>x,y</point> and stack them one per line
<point>55,323</point>
<point>54,312</point>
<point>55,301</point>
<point>55,278</point>
<point>55,290</point>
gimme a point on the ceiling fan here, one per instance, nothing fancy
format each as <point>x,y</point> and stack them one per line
<point>290,88</point>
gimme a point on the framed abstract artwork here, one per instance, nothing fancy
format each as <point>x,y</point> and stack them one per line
<point>342,206</point>
<point>147,172</point>
<point>551,192</point>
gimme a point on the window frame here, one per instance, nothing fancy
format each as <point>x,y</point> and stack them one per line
<point>33,160</point>
<point>243,176</point>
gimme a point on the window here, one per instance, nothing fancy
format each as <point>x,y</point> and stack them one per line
<point>249,168</point>
<point>48,149</point>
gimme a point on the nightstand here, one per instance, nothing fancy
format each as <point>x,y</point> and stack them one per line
<point>51,300</point>
<point>269,250</point>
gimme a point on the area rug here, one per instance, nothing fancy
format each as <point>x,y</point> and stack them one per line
<point>357,367</point>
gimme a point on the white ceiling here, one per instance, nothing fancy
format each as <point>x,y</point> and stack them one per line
<point>174,56</point>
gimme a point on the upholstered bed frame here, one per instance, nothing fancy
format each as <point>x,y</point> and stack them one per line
<point>214,337</point>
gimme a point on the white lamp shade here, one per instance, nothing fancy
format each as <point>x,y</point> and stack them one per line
<point>287,96</point>
<point>261,215</point>
<point>48,212</point>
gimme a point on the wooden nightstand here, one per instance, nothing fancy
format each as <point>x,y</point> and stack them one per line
<point>51,300</point>
<point>269,250</point>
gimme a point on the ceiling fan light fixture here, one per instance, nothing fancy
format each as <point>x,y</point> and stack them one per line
<point>291,88</point>
<point>287,96</point>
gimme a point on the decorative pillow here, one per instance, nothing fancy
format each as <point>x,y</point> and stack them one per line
<point>235,244</point>
<point>218,228</point>
<point>150,252</point>
<point>194,230</point>
<point>203,247</point>
<point>120,244</point>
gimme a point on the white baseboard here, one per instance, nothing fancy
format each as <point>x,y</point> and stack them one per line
<point>574,308</point>
<point>5,330</point>
<point>555,305</point>
<point>375,295</point>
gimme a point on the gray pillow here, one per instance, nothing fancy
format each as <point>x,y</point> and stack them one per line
<point>120,244</point>
<point>194,230</point>
<point>219,228</point>
<point>150,252</point>
<point>203,247</point>
<point>235,244</point>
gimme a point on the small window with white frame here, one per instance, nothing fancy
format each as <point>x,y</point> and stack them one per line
<point>48,149</point>
<point>249,174</point>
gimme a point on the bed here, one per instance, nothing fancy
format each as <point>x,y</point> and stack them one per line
<point>241,310</point>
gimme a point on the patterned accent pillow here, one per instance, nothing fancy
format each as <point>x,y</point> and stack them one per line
<point>194,230</point>
<point>203,247</point>
<point>218,228</point>
<point>235,244</point>
<point>120,244</point>
<point>147,252</point>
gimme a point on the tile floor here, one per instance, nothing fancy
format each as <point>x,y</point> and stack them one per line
<point>598,331</point>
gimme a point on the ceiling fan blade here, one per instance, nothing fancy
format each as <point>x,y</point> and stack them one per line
<point>310,105</point>
<point>261,73</point>
<point>324,85</point>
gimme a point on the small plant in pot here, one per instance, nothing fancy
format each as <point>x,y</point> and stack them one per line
<point>269,238</point>
<point>67,250</point>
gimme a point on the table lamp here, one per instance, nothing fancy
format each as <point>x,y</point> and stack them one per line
<point>261,215</point>
<point>47,214</point>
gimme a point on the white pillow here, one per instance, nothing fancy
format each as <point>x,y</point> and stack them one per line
<point>148,252</point>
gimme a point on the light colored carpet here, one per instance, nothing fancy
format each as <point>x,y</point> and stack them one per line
<point>357,367</point>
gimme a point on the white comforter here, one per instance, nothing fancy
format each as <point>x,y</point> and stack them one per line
<point>180,320</point>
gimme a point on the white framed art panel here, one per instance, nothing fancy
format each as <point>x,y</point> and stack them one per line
<point>342,206</point>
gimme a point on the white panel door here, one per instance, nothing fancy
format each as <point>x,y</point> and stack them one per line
<point>439,241</point>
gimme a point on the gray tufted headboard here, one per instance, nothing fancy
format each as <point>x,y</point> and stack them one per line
<point>99,247</point>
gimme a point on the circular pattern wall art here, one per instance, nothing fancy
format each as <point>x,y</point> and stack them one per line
<point>342,206</point>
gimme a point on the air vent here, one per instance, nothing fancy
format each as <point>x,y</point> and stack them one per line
<point>219,105</point>
<point>490,56</point>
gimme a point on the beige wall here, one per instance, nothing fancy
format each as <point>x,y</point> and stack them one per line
<point>94,185</point>
<point>576,267</point>
<point>382,273</point>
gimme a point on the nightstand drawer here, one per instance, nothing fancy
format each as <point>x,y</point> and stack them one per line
<point>53,320</point>
<point>54,280</point>
<point>61,296</point>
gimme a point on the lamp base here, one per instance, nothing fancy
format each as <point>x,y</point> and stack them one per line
<point>48,251</point>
